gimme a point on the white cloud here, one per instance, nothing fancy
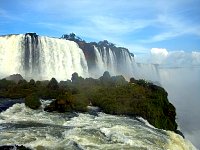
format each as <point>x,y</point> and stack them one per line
<point>159,51</point>
<point>174,58</point>
<point>158,55</point>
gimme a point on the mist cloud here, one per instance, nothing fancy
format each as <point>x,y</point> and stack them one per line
<point>180,76</point>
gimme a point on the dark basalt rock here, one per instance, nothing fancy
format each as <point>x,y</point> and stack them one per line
<point>93,110</point>
<point>61,104</point>
<point>13,147</point>
<point>6,103</point>
<point>180,133</point>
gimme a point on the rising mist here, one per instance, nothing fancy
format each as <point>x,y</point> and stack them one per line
<point>179,73</point>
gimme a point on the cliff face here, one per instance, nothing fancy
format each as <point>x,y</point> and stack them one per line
<point>104,55</point>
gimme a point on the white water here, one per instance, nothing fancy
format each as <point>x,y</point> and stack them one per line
<point>146,71</point>
<point>11,55</point>
<point>57,58</point>
<point>125,66</point>
<point>41,130</point>
<point>61,58</point>
<point>105,61</point>
<point>99,63</point>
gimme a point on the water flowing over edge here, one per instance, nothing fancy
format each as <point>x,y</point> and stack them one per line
<point>42,58</point>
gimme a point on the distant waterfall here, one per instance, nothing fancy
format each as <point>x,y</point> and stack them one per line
<point>105,60</point>
<point>146,71</point>
<point>117,63</point>
<point>40,57</point>
<point>122,63</point>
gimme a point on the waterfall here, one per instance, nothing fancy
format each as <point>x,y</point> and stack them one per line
<point>105,60</point>
<point>123,64</point>
<point>31,55</point>
<point>11,55</point>
<point>117,62</point>
<point>99,61</point>
<point>61,58</point>
<point>41,57</point>
<point>112,61</point>
<point>146,71</point>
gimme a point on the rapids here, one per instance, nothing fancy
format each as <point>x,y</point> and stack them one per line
<point>38,129</point>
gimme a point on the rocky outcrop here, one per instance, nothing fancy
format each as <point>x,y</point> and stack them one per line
<point>15,77</point>
<point>14,147</point>
<point>63,103</point>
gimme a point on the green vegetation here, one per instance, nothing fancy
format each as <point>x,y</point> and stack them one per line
<point>138,99</point>
<point>113,94</point>
<point>32,101</point>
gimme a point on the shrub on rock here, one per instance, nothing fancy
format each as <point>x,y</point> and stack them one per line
<point>53,84</point>
<point>32,101</point>
<point>63,103</point>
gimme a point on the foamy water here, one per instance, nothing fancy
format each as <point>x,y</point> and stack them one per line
<point>38,129</point>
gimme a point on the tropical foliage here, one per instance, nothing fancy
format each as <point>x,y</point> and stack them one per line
<point>113,94</point>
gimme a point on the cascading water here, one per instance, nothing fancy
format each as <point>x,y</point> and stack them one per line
<point>123,64</point>
<point>105,61</point>
<point>61,58</point>
<point>146,71</point>
<point>40,57</point>
<point>38,129</point>
<point>99,62</point>
<point>31,55</point>
<point>11,54</point>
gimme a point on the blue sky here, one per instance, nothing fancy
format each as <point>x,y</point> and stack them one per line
<point>137,25</point>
